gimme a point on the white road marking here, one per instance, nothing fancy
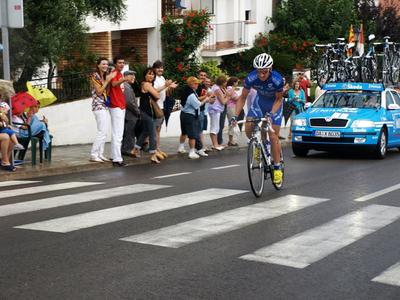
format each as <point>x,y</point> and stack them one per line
<point>390,276</point>
<point>196,230</point>
<point>130,211</point>
<point>378,193</point>
<point>45,188</point>
<point>312,245</point>
<point>172,175</point>
<point>16,182</point>
<point>225,167</point>
<point>29,206</point>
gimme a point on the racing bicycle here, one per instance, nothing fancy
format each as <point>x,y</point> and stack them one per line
<point>260,165</point>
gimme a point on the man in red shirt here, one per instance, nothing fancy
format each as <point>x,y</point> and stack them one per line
<point>305,84</point>
<point>117,111</point>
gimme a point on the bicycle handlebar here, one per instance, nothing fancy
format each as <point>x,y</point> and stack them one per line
<point>258,120</point>
<point>252,121</point>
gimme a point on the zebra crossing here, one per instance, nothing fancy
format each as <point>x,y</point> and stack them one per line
<point>298,251</point>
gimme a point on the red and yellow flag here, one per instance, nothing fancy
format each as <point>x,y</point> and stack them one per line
<point>360,43</point>
<point>352,39</point>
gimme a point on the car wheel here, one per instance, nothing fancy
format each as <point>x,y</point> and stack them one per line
<point>381,147</point>
<point>299,150</point>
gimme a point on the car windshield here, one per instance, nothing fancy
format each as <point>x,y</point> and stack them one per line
<point>354,99</point>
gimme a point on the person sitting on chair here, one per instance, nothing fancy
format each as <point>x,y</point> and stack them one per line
<point>38,127</point>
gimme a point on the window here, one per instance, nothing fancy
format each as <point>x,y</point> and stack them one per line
<point>389,99</point>
<point>207,5</point>
<point>248,15</point>
<point>396,98</point>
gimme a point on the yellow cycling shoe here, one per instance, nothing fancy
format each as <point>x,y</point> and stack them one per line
<point>278,175</point>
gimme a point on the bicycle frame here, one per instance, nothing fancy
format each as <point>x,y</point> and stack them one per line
<point>260,125</point>
<point>259,157</point>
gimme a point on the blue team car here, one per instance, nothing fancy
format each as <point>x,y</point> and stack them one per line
<point>349,116</point>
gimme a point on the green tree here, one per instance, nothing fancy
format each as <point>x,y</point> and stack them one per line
<point>367,13</point>
<point>324,20</point>
<point>388,21</point>
<point>53,30</point>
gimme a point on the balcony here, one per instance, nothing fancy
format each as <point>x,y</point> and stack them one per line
<point>226,38</point>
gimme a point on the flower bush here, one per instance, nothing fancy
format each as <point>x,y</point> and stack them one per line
<point>288,52</point>
<point>180,38</point>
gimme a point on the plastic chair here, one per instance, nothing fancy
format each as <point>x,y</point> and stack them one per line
<point>34,140</point>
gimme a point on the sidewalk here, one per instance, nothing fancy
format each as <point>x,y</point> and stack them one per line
<point>75,158</point>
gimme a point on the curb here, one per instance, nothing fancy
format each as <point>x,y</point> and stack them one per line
<point>47,170</point>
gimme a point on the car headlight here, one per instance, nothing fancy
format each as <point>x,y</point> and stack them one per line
<point>299,122</point>
<point>363,123</point>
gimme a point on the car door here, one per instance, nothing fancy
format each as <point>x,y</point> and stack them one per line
<point>394,112</point>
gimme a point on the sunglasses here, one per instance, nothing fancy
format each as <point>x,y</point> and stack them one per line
<point>263,71</point>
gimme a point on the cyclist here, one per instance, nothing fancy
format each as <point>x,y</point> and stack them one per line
<point>269,86</point>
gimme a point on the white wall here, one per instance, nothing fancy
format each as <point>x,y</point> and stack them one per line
<point>73,123</point>
<point>139,14</point>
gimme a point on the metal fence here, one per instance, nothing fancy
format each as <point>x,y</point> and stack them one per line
<point>65,87</point>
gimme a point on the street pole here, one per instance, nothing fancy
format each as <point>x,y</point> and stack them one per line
<point>4,37</point>
<point>6,53</point>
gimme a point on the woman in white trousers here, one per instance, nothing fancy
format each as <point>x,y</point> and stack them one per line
<point>100,82</point>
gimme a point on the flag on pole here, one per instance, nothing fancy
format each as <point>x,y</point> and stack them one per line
<point>360,44</point>
<point>352,39</point>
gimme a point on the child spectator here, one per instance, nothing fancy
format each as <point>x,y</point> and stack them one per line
<point>5,126</point>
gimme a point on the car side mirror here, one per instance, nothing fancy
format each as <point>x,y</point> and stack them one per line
<point>393,106</point>
<point>307,105</point>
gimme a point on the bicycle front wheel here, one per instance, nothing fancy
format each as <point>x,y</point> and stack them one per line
<point>322,71</point>
<point>255,167</point>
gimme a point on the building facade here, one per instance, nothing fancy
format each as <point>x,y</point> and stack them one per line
<point>137,37</point>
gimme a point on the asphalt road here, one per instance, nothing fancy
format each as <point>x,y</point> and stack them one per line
<point>203,235</point>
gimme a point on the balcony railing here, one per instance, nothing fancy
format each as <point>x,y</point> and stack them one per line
<point>226,36</point>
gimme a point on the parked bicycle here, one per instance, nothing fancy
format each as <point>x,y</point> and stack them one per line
<point>324,63</point>
<point>387,56</point>
<point>369,66</point>
<point>260,166</point>
<point>395,65</point>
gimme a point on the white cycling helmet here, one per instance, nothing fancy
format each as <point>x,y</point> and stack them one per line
<point>263,61</point>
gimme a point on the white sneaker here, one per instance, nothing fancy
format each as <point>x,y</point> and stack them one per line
<point>202,153</point>
<point>18,147</point>
<point>103,158</point>
<point>193,155</point>
<point>181,149</point>
<point>96,159</point>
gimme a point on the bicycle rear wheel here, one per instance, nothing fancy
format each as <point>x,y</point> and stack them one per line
<point>395,69</point>
<point>386,78</point>
<point>255,167</point>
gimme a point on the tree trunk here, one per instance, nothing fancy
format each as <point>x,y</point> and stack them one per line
<point>50,73</point>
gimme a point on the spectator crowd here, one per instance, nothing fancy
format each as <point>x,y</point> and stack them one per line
<point>137,115</point>
<point>138,111</point>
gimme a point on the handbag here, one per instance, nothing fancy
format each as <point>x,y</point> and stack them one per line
<point>157,111</point>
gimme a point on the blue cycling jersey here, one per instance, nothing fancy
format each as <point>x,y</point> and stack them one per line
<point>265,89</point>
<point>266,94</point>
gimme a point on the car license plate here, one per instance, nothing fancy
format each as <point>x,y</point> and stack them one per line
<point>327,134</point>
